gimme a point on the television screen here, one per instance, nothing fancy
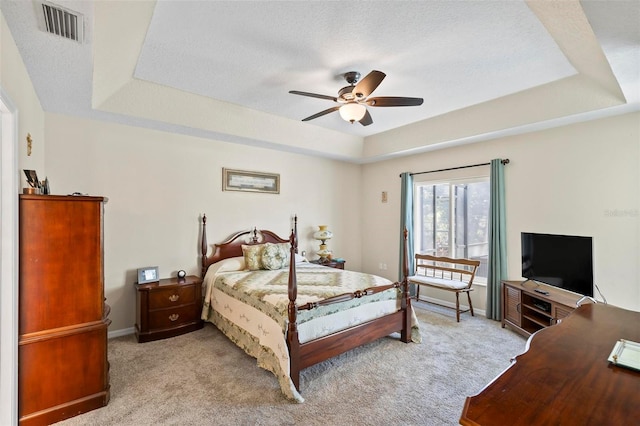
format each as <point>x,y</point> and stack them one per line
<point>562,261</point>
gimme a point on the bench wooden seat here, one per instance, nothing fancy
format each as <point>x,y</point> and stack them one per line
<point>445,273</point>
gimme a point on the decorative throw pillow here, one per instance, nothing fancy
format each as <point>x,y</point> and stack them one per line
<point>275,256</point>
<point>253,256</point>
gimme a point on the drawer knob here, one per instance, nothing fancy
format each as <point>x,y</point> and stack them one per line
<point>174,297</point>
<point>174,317</point>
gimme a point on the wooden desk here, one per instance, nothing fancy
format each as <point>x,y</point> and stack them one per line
<point>564,376</point>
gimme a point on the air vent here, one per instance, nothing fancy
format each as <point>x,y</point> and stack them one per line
<point>62,22</point>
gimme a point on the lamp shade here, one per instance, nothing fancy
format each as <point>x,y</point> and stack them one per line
<point>323,233</point>
<point>352,112</point>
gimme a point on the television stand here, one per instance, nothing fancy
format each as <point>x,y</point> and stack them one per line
<point>528,310</point>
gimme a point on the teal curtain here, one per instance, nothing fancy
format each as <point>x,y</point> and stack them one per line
<point>406,221</point>
<point>497,241</point>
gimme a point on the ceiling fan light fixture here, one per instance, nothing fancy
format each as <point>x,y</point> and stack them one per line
<point>352,100</point>
<point>352,112</point>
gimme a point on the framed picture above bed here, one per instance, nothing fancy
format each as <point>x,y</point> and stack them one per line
<point>242,180</point>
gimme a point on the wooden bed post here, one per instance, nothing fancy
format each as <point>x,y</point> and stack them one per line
<point>405,335</point>
<point>203,247</point>
<point>295,230</point>
<point>292,328</point>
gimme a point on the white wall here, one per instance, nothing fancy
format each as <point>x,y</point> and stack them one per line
<point>159,184</point>
<point>16,83</point>
<point>581,179</point>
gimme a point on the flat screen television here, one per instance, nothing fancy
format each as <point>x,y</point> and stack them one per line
<point>563,261</point>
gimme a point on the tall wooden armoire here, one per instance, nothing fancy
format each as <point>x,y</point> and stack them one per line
<point>62,349</point>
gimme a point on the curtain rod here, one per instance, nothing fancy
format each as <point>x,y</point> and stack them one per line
<point>505,161</point>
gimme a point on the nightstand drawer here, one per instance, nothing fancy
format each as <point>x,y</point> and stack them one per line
<point>167,318</point>
<point>164,298</point>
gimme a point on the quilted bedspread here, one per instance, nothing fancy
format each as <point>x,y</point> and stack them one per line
<point>267,291</point>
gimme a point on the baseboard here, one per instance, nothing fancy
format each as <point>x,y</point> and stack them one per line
<point>448,304</point>
<point>119,333</point>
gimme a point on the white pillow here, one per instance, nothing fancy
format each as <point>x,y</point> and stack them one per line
<point>227,265</point>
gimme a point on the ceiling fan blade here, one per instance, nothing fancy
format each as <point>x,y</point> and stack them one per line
<point>392,101</point>
<point>321,113</point>
<point>314,95</point>
<point>368,84</point>
<point>366,120</point>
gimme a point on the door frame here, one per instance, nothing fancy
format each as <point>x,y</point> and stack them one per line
<point>9,186</point>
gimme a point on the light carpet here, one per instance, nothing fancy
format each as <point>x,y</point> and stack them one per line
<point>202,378</point>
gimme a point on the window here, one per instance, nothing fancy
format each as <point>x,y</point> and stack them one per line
<point>452,219</point>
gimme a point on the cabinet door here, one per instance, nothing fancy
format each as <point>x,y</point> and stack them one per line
<point>62,375</point>
<point>512,312</point>
<point>560,312</point>
<point>61,269</point>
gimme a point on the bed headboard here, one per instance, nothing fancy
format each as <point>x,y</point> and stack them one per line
<point>232,247</point>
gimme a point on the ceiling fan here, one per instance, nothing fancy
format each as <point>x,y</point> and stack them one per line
<point>353,99</point>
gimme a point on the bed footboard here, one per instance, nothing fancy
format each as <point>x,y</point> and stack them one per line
<point>318,350</point>
<point>348,296</point>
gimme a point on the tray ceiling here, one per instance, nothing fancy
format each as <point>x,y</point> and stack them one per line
<point>223,69</point>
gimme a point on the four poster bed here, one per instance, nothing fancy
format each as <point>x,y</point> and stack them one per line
<point>290,314</point>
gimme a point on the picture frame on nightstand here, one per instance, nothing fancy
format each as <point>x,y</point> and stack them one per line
<point>148,274</point>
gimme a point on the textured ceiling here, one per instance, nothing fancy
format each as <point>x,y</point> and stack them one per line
<point>452,54</point>
<point>223,69</point>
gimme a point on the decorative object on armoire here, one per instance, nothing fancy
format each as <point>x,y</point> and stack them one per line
<point>181,273</point>
<point>34,184</point>
<point>323,234</point>
<point>45,186</point>
<point>63,318</point>
<point>148,274</point>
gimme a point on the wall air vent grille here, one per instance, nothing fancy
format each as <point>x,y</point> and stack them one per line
<point>62,22</point>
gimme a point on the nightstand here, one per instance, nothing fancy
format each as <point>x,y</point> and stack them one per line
<point>330,264</point>
<point>168,308</point>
